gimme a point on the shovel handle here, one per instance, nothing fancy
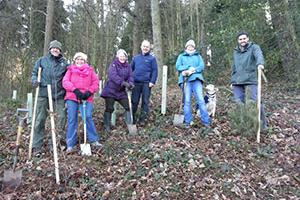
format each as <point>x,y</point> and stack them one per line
<point>84,119</point>
<point>130,106</point>
<point>183,96</point>
<point>19,133</point>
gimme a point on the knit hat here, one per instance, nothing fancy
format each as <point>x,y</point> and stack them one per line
<point>54,44</point>
<point>190,43</point>
<point>121,51</point>
<point>80,54</point>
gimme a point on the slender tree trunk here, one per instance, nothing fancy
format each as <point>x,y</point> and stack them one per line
<point>191,22</point>
<point>136,36</point>
<point>179,37</point>
<point>202,34</point>
<point>49,25</point>
<point>156,26</point>
<point>31,25</point>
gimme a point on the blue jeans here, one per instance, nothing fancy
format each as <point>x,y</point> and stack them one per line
<point>194,87</point>
<point>239,92</point>
<point>138,90</point>
<point>92,135</point>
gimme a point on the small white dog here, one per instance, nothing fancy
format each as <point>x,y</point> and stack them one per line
<point>211,99</point>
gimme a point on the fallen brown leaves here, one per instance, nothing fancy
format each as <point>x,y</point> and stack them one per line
<point>167,162</point>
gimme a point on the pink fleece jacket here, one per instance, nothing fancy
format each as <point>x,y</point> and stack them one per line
<point>83,78</point>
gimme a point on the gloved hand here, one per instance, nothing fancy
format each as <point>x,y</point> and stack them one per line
<point>86,95</point>
<point>126,84</point>
<point>78,94</point>
<point>36,83</point>
<point>131,86</point>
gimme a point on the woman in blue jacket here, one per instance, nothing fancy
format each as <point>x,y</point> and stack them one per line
<point>190,65</point>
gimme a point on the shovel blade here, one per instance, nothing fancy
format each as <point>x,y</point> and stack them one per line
<point>12,179</point>
<point>132,129</point>
<point>178,119</point>
<point>85,149</point>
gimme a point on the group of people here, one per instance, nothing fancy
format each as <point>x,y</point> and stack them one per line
<point>247,59</point>
<point>77,83</point>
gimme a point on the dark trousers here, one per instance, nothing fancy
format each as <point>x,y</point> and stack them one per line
<point>141,89</point>
<point>109,104</point>
<point>40,121</point>
<point>239,92</point>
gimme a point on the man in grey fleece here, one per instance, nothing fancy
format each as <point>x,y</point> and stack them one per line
<point>247,59</point>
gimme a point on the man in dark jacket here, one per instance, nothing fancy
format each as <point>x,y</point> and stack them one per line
<point>144,67</point>
<point>247,59</point>
<point>54,67</point>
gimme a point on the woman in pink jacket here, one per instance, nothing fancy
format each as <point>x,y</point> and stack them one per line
<point>80,82</point>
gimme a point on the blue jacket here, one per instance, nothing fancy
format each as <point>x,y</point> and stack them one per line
<point>244,68</point>
<point>144,68</point>
<point>185,61</point>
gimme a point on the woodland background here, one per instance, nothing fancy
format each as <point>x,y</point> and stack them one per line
<point>100,27</point>
<point>162,161</point>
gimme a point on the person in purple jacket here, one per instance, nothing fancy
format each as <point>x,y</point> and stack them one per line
<point>119,79</point>
<point>144,67</point>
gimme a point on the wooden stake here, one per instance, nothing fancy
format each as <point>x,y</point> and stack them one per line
<point>258,102</point>
<point>34,113</point>
<point>53,133</point>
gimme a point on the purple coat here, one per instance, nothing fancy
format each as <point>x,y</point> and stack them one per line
<point>117,74</point>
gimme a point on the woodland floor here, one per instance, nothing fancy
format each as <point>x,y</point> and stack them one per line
<point>167,162</point>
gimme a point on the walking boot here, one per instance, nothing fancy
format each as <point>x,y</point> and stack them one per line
<point>143,118</point>
<point>128,119</point>
<point>134,117</point>
<point>107,121</point>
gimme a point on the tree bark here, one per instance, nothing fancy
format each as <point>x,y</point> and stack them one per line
<point>156,26</point>
<point>49,25</point>
<point>136,40</point>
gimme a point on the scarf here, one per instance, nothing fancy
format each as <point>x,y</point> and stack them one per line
<point>190,52</point>
<point>82,71</point>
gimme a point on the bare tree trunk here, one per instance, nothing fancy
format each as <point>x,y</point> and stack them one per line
<point>156,26</point>
<point>31,25</point>
<point>191,19</point>
<point>49,25</point>
<point>202,34</point>
<point>136,33</point>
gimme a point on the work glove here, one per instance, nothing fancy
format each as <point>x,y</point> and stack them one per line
<point>36,84</point>
<point>78,94</point>
<point>126,84</point>
<point>86,95</point>
<point>131,86</point>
